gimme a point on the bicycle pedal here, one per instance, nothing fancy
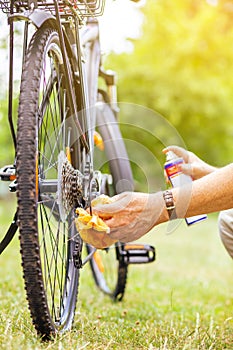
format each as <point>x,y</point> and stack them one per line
<point>8,173</point>
<point>133,253</point>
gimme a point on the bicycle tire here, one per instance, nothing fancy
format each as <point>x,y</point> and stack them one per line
<point>47,242</point>
<point>108,269</point>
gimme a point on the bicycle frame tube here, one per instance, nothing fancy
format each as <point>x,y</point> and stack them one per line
<point>90,48</point>
<point>90,40</point>
<point>70,90</point>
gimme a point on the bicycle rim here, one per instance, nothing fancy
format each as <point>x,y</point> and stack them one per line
<point>47,240</point>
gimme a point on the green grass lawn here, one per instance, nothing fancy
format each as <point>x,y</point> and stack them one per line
<point>182,301</point>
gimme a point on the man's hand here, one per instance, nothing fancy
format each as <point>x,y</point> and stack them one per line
<point>131,215</point>
<point>193,166</point>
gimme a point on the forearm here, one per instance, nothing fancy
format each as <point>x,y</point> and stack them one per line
<point>211,193</point>
<point>131,215</point>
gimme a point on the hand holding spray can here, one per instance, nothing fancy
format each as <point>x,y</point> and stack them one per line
<point>177,178</point>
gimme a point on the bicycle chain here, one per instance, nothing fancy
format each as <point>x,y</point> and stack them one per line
<point>77,253</point>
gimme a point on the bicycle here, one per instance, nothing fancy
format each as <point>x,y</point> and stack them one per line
<point>64,121</point>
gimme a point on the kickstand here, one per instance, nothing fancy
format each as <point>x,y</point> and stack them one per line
<point>9,235</point>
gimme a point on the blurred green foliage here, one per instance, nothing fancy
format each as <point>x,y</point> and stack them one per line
<point>182,68</point>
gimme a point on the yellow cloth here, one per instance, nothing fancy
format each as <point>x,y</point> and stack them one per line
<point>86,221</point>
<point>92,228</point>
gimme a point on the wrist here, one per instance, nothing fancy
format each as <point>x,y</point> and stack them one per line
<point>158,207</point>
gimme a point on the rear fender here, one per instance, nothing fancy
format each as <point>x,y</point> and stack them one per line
<point>37,17</point>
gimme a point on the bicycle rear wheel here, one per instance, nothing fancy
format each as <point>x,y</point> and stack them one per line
<point>108,269</point>
<point>47,240</point>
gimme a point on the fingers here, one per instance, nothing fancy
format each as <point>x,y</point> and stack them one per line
<point>120,233</point>
<point>196,170</point>
<point>126,215</point>
<point>186,169</point>
<point>119,202</point>
<point>179,151</point>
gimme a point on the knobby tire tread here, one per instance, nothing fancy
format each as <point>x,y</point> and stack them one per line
<point>27,210</point>
<point>26,178</point>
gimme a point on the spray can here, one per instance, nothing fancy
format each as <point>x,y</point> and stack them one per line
<point>177,178</point>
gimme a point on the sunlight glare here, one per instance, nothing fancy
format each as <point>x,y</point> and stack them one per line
<point>212,2</point>
<point>122,20</point>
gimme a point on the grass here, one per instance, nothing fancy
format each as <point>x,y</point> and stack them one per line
<point>182,301</point>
